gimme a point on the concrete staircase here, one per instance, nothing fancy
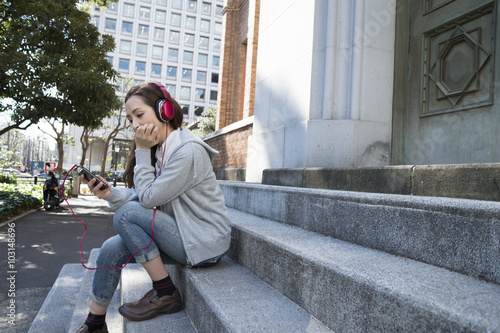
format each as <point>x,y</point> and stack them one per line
<point>309,260</point>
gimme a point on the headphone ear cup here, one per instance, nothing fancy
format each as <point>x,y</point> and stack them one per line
<point>168,110</point>
<point>164,110</point>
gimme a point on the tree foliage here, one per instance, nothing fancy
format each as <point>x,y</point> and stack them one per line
<point>53,64</point>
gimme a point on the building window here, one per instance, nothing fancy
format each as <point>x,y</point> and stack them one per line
<point>172,72</point>
<point>144,13</point>
<point>192,5</point>
<point>201,77</point>
<point>186,74</point>
<point>171,89</point>
<point>110,24</point>
<point>110,59</point>
<point>191,22</point>
<point>205,25</point>
<point>218,10</point>
<point>187,57</point>
<point>128,9</point>
<point>198,110</point>
<point>173,54</point>
<point>175,20</point>
<point>156,69</point>
<point>159,34</point>
<point>176,4</point>
<point>188,40</point>
<point>125,46</point>
<point>203,42</point>
<point>143,31</point>
<point>161,16</point>
<point>215,61</point>
<point>213,95</point>
<point>140,67</point>
<point>206,8</point>
<point>123,65</point>
<point>142,49</point>
<point>174,37</point>
<point>186,93</point>
<point>215,78</point>
<point>185,111</point>
<point>216,45</point>
<point>157,51</point>
<point>112,6</point>
<point>127,27</point>
<point>199,94</point>
<point>218,28</point>
<point>161,2</point>
<point>202,59</point>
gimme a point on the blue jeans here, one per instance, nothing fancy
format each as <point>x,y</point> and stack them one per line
<point>133,225</point>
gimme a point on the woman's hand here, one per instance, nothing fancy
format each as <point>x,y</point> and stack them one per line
<point>146,136</point>
<point>101,194</point>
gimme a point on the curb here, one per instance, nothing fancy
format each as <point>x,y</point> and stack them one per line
<point>12,219</point>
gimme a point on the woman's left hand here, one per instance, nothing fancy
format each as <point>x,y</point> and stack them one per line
<point>146,136</point>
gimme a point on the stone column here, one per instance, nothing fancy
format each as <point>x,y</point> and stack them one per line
<point>324,85</point>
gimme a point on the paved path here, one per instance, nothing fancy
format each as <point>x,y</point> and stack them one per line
<point>44,242</point>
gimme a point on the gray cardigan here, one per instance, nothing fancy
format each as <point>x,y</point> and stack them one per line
<point>186,189</point>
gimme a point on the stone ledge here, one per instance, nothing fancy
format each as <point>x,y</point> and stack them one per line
<point>235,174</point>
<point>479,181</point>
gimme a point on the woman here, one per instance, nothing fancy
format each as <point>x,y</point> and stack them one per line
<point>169,169</point>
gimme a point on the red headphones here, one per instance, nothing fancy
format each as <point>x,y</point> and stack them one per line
<point>164,107</point>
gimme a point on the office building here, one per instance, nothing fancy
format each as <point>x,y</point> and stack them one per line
<point>174,42</point>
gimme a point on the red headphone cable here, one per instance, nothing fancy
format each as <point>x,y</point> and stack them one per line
<point>85,232</point>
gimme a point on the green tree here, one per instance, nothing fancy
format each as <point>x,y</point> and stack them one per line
<point>53,65</point>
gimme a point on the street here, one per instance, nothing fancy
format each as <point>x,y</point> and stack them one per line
<point>43,243</point>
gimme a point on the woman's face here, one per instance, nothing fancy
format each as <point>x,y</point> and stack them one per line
<point>139,113</point>
<point>143,118</point>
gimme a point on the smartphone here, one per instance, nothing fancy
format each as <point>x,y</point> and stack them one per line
<point>89,176</point>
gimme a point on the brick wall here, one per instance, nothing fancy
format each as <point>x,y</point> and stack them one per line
<point>232,147</point>
<point>238,62</point>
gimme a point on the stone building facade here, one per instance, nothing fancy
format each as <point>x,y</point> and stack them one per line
<point>349,84</point>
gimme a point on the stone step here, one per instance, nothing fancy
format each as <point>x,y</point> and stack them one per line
<point>352,288</point>
<point>457,234</point>
<point>468,181</point>
<point>228,298</point>
<point>114,320</point>
<point>56,311</point>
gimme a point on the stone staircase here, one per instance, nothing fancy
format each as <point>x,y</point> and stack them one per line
<point>309,260</point>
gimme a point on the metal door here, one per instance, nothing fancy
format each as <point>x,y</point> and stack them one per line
<point>446,100</point>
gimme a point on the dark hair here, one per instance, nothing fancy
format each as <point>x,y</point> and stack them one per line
<point>150,94</point>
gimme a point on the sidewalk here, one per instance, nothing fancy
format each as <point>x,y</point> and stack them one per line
<point>44,243</point>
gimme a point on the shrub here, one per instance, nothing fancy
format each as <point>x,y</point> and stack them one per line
<point>7,178</point>
<point>16,199</point>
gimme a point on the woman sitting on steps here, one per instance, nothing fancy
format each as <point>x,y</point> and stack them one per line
<point>170,169</point>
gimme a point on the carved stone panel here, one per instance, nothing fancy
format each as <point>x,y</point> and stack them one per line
<point>432,5</point>
<point>458,64</point>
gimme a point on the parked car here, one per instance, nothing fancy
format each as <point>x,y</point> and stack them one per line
<point>16,172</point>
<point>43,175</point>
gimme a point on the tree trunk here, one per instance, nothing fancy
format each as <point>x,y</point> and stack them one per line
<point>60,150</point>
<point>84,140</point>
